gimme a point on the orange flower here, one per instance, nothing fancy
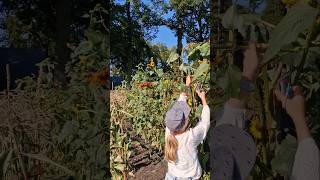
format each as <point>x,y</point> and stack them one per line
<point>145,85</point>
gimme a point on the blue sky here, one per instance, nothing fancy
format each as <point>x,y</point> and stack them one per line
<point>167,37</point>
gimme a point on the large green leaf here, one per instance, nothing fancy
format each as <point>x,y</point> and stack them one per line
<point>202,49</point>
<point>44,158</point>
<point>284,158</point>
<point>230,82</point>
<point>205,49</point>
<point>203,68</point>
<point>233,20</point>
<point>185,68</point>
<point>173,57</point>
<point>298,19</point>
<point>5,158</point>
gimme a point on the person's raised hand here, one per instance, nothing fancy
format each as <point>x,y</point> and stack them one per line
<point>252,59</point>
<point>202,96</point>
<point>295,106</point>
<point>188,80</point>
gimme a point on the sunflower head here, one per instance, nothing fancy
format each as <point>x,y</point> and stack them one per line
<point>151,63</point>
<point>255,128</point>
<point>190,102</point>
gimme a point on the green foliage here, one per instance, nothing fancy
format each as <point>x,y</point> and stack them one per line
<point>202,50</point>
<point>232,20</point>
<point>230,81</point>
<point>152,92</point>
<point>77,132</point>
<point>251,26</point>
<point>202,69</point>
<point>298,19</point>
<point>5,158</point>
<point>284,158</point>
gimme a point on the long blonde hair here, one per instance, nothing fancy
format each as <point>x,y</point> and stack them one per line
<point>170,149</point>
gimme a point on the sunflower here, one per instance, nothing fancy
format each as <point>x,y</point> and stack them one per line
<point>254,129</point>
<point>190,102</point>
<point>151,63</point>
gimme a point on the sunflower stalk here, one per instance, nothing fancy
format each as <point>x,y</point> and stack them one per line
<point>311,34</point>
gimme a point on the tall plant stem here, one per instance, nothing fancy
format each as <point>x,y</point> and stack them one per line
<point>16,147</point>
<point>311,34</point>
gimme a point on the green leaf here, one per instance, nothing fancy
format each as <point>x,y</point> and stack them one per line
<point>202,69</point>
<point>96,37</point>
<point>173,57</point>
<point>159,72</point>
<point>233,20</point>
<point>5,158</point>
<point>42,157</point>
<point>298,19</point>
<point>120,167</point>
<point>284,158</point>
<point>84,48</point>
<point>202,49</point>
<point>205,49</point>
<point>230,82</point>
<point>186,69</point>
<point>68,128</point>
<point>291,58</point>
<point>194,54</point>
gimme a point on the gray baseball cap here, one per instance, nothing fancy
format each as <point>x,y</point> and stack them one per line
<point>177,116</point>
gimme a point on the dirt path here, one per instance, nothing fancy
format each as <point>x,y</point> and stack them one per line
<point>151,172</point>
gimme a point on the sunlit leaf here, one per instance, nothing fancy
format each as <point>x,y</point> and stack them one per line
<point>173,57</point>
<point>201,70</point>
<point>298,19</point>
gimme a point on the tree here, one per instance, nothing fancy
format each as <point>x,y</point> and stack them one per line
<point>48,25</point>
<point>130,26</point>
<point>161,54</point>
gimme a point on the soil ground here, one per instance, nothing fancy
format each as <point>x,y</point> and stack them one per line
<point>151,172</point>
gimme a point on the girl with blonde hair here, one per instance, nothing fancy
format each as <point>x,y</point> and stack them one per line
<point>181,142</point>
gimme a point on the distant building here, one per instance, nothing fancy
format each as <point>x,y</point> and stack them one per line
<point>22,63</point>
